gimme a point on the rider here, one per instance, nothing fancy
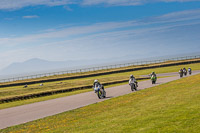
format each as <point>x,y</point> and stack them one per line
<point>189,70</point>
<point>153,73</point>
<point>97,83</point>
<point>133,80</point>
<point>181,72</point>
<point>184,69</point>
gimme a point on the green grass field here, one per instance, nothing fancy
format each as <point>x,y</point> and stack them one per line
<point>171,107</point>
<point>35,88</point>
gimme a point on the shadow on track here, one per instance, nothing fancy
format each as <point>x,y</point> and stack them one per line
<point>108,97</point>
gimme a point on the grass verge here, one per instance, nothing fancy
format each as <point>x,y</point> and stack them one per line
<point>171,107</point>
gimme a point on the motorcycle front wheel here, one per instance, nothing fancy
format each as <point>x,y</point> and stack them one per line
<point>100,94</point>
<point>133,87</point>
<point>153,81</point>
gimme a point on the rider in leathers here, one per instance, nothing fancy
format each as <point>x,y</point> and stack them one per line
<point>190,70</point>
<point>153,73</point>
<point>181,72</point>
<point>133,80</point>
<point>97,83</point>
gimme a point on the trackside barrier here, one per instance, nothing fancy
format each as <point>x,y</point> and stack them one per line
<point>98,68</point>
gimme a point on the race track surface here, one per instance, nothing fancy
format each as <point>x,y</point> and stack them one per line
<point>26,113</point>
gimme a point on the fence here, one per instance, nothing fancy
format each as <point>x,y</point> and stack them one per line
<point>98,68</point>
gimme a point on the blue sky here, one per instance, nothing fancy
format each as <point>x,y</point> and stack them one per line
<point>97,29</point>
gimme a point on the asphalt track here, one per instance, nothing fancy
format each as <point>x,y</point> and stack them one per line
<point>26,113</point>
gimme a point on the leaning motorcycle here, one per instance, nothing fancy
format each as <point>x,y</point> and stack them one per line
<point>133,86</point>
<point>153,79</point>
<point>101,93</point>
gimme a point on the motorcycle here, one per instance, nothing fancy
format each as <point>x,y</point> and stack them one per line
<point>153,79</point>
<point>189,71</point>
<point>133,86</point>
<point>181,75</point>
<point>185,72</point>
<point>101,93</point>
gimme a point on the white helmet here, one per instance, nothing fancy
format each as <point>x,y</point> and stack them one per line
<point>95,80</point>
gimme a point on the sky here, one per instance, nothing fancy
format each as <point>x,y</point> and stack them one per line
<point>60,30</point>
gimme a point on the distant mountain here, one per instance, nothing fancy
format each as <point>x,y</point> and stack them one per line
<point>39,66</point>
<point>31,66</point>
<point>36,65</point>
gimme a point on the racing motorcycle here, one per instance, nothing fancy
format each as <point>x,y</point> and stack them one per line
<point>133,86</point>
<point>181,73</point>
<point>99,90</point>
<point>189,71</point>
<point>185,72</point>
<point>153,79</point>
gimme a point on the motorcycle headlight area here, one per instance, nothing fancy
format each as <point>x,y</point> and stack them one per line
<point>96,89</point>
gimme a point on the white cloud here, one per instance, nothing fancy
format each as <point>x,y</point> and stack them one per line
<point>65,33</point>
<point>30,17</point>
<point>174,17</point>
<point>68,8</point>
<point>8,18</point>
<point>113,2</point>
<point>128,2</point>
<point>17,4</point>
<point>181,14</point>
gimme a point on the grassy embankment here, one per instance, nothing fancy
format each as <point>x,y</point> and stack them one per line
<point>35,88</point>
<point>171,107</point>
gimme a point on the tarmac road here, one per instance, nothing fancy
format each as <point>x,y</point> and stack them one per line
<point>26,113</point>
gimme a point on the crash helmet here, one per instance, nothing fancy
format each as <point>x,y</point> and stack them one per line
<point>131,76</point>
<point>95,81</point>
